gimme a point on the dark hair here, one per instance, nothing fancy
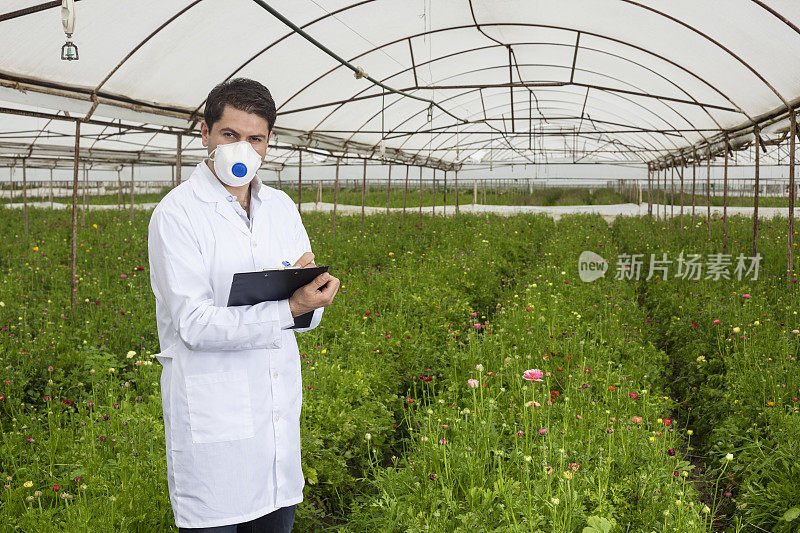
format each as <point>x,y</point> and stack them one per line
<point>243,94</point>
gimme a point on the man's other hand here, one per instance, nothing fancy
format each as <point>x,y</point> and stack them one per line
<point>318,293</point>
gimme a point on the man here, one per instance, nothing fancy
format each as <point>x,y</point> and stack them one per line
<point>231,385</point>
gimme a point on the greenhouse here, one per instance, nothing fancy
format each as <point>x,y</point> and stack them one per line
<point>554,244</point>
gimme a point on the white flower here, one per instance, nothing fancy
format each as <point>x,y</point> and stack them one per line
<point>729,457</point>
<point>368,436</point>
<point>130,354</point>
<point>479,367</point>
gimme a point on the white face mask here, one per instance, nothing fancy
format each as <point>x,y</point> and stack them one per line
<point>235,163</point>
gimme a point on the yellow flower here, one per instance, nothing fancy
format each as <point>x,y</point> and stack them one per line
<point>736,329</point>
<point>94,226</point>
<point>35,248</point>
<point>28,484</point>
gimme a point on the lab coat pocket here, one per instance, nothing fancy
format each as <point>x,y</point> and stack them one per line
<point>219,407</point>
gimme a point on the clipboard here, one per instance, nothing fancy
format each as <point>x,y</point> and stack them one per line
<point>249,288</point>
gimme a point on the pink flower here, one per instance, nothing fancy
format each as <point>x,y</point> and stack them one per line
<point>716,322</point>
<point>520,433</point>
<point>637,419</point>
<point>123,275</point>
<point>533,375</point>
<point>543,431</point>
<point>472,383</point>
<point>476,326</point>
<point>473,314</point>
<point>442,441</point>
<point>746,296</point>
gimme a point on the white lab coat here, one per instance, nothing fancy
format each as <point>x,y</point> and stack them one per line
<point>231,385</point>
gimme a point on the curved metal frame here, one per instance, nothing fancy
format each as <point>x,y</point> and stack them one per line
<point>634,3</point>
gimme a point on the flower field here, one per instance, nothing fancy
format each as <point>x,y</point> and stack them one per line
<point>465,379</point>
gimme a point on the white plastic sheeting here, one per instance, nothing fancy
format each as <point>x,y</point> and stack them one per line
<point>613,81</point>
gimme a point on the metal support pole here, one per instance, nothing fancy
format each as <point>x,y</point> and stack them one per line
<point>682,165</point>
<point>388,193</point>
<point>85,186</point>
<point>790,240</point>
<point>420,193</point>
<point>444,203</point>
<point>757,147</point>
<point>363,192</point>
<point>51,188</point>
<point>649,191</point>
<point>725,202</point>
<point>25,191</point>
<point>672,194</point>
<point>132,191</point>
<point>335,195</point>
<point>694,181</point>
<point>178,162</point>
<point>119,188</point>
<point>299,180</point>
<point>457,209</point>
<point>434,193</point>
<point>405,194</point>
<point>74,238</point>
<point>474,192</point>
<point>708,192</point>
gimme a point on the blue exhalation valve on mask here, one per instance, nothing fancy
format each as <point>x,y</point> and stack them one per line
<point>239,170</point>
<point>235,164</point>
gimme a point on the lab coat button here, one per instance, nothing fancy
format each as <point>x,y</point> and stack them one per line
<point>255,244</point>
<point>275,375</point>
<point>276,418</point>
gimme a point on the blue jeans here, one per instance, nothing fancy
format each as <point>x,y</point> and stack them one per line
<point>278,521</point>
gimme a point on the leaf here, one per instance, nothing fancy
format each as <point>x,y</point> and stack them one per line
<point>597,524</point>
<point>791,514</point>
<point>311,476</point>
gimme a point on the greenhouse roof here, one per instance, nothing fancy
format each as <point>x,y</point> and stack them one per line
<point>441,82</point>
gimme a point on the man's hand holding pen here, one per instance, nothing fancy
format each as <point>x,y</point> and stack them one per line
<point>319,293</point>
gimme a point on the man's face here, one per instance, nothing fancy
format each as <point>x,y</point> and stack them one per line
<point>235,125</point>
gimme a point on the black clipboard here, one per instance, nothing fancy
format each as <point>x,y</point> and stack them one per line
<point>249,288</point>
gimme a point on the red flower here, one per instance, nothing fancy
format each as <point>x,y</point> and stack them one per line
<point>633,396</point>
<point>56,488</point>
<point>667,421</point>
